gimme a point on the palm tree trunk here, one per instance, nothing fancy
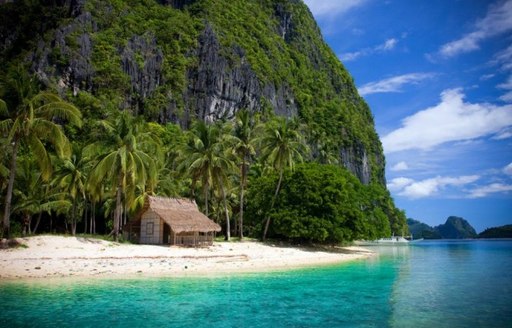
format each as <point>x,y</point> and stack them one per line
<point>29,225</point>
<point>93,217</point>
<point>8,197</point>
<point>242,189</point>
<point>85,215</point>
<point>37,222</point>
<point>228,226</point>
<point>267,223</point>
<point>206,191</point>
<point>119,208</point>
<point>73,218</point>
<point>26,222</point>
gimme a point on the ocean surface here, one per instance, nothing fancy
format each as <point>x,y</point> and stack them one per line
<point>430,284</point>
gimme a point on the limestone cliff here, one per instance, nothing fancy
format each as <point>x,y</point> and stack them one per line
<point>179,60</point>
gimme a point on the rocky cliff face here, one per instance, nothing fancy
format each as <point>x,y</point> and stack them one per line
<point>68,64</point>
<point>218,89</point>
<point>178,60</point>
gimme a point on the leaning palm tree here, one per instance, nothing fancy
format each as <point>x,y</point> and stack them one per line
<point>244,148</point>
<point>282,145</point>
<point>126,160</point>
<point>28,121</point>
<point>205,158</point>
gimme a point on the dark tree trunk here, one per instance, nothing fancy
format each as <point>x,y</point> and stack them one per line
<point>119,208</point>
<point>85,215</point>
<point>242,190</point>
<point>8,197</point>
<point>73,218</point>
<point>228,226</point>
<point>267,223</point>
<point>206,191</point>
<point>37,222</point>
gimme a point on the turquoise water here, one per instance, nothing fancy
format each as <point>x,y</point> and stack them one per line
<point>433,284</point>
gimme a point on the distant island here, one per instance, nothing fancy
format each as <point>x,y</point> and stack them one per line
<point>497,232</point>
<point>455,228</point>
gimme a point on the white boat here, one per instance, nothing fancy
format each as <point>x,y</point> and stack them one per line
<point>391,241</point>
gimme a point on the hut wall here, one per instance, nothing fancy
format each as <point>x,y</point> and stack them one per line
<point>151,228</point>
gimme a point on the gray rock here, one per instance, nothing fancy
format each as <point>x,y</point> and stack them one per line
<point>142,60</point>
<point>218,88</point>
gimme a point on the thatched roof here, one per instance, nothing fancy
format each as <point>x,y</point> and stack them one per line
<point>181,214</point>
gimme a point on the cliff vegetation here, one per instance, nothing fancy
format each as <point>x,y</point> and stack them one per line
<point>164,81</point>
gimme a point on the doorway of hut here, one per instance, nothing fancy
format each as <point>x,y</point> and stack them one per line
<point>167,234</point>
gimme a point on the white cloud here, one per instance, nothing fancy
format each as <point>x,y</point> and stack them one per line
<point>388,45</point>
<point>401,166</point>
<point>487,77</point>
<point>493,188</point>
<point>450,120</point>
<point>507,85</point>
<point>508,169</point>
<point>332,7</point>
<point>498,20</point>
<point>349,56</point>
<point>393,84</point>
<point>503,59</point>
<point>507,97</point>
<point>398,184</point>
<point>428,187</point>
<point>466,44</point>
<point>504,134</point>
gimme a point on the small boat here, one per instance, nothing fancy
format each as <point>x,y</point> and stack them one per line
<point>391,241</point>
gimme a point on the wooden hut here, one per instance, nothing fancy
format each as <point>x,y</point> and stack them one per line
<point>174,221</point>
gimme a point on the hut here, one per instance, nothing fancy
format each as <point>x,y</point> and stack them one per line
<point>174,221</point>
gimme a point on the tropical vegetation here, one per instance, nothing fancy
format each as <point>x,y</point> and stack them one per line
<point>97,112</point>
<point>67,177</point>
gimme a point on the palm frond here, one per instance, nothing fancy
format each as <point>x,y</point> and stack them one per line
<point>63,110</point>
<point>41,156</point>
<point>3,108</point>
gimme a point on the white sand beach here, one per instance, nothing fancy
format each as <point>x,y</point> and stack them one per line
<point>56,256</point>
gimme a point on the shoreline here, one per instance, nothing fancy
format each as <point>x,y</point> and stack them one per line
<point>47,257</point>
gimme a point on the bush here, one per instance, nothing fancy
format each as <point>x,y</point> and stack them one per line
<point>317,203</point>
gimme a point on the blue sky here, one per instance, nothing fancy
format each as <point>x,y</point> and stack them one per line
<point>437,75</point>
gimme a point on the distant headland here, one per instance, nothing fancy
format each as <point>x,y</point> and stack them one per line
<point>455,228</point>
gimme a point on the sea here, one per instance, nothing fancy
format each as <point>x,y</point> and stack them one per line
<point>448,283</point>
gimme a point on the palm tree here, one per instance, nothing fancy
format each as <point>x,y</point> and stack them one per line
<point>282,145</point>
<point>127,160</point>
<point>35,196</point>
<point>205,158</point>
<point>196,155</point>
<point>29,122</point>
<point>223,164</point>
<point>71,177</point>
<point>244,149</point>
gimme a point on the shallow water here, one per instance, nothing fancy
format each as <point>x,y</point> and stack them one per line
<point>441,284</point>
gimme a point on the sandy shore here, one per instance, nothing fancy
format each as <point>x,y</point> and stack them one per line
<point>55,256</point>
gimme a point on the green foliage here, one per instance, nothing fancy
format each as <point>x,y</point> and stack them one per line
<point>317,203</point>
<point>331,113</point>
<point>497,232</point>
